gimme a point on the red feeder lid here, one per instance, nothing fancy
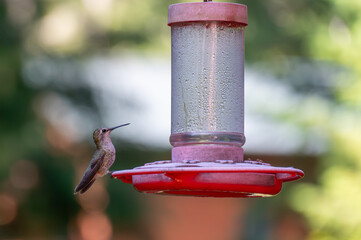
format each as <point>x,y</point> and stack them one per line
<point>209,179</point>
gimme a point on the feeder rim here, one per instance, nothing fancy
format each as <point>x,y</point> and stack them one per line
<point>285,174</point>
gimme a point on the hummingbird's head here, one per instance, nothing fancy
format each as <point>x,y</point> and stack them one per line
<point>101,133</point>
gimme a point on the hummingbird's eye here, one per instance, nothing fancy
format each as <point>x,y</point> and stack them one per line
<point>104,130</point>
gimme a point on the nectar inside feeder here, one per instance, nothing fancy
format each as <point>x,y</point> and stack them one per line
<point>207,129</point>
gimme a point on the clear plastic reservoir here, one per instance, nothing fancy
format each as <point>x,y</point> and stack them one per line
<point>207,83</point>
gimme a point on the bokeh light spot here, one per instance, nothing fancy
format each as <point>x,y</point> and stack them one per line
<point>94,226</point>
<point>61,29</point>
<point>8,208</point>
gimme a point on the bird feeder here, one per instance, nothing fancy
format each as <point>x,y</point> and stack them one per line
<point>207,129</point>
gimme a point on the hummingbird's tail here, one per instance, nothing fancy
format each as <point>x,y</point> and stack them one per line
<point>82,188</point>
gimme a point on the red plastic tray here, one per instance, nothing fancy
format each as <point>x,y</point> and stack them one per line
<point>209,179</point>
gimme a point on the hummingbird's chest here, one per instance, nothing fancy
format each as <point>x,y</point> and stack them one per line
<point>109,155</point>
<point>109,159</point>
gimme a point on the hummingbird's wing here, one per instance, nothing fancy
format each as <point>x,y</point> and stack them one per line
<point>88,177</point>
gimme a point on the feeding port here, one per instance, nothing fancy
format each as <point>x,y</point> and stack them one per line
<point>207,125</point>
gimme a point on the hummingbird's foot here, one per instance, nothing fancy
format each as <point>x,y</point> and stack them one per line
<point>110,172</point>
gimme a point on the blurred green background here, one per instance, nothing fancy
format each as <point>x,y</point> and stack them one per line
<point>59,66</point>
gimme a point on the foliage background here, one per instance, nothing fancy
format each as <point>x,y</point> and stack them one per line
<point>48,110</point>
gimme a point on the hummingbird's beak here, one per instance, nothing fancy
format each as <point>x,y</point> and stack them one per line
<point>111,129</point>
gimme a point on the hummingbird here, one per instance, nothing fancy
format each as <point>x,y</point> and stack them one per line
<point>102,159</point>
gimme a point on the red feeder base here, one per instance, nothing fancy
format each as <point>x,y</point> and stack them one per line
<point>222,178</point>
